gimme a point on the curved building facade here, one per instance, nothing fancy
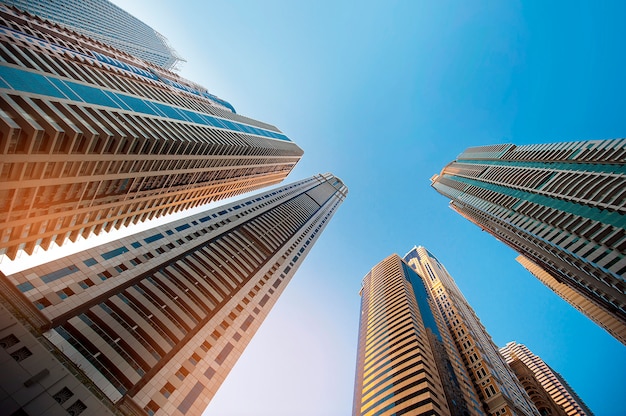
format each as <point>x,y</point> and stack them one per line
<point>397,370</point>
<point>108,23</point>
<point>94,139</point>
<point>499,391</point>
<point>562,206</point>
<point>548,387</point>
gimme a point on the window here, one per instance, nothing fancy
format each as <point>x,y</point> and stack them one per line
<point>182,373</point>
<point>151,408</point>
<point>9,341</point>
<point>76,408</point>
<point>21,354</point>
<point>63,395</point>
<point>167,390</point>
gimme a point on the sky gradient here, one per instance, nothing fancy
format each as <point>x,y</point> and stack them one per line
<point>384,95</point>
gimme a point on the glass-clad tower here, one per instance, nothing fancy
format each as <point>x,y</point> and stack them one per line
<point>152,323</point>
<point>107,23</point>
<point>562,206</point>
<point>94,139</point>
<point>546,387</point>
<point>422,350</point>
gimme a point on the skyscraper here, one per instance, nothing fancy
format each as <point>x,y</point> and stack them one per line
<point>422,350</point>
<point>152,323</point>
<point>107,23</point>
<point>498,388</point>
<point>94,139</point>
<point>562,206</point>
<point>545,386</point>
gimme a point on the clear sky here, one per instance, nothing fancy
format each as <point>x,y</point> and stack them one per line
<point>384,94</point>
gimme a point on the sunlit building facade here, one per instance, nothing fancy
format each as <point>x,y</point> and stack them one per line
<point>498,389</point>
<point>152,323</point>
<point>551,394</point>
<point>422,350</point>
<point>562,206</point>
<point>94,139</point>
<point>107,23</point>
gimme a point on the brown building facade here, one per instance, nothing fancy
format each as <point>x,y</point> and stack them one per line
<point>422,350</point>
<point>94,139</point>
<point>152,323</point>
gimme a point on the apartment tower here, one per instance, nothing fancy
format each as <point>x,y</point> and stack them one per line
<point>545,387</point>
<point>107,23</point>
<point>94,139</point>
<point>152,323</point>
<point>562,206</point>
<point>414,358</point>
<point>498,389</point>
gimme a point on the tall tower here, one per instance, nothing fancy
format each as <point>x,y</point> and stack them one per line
<point>152,323</point>
<point>498,389</point>
<point>94,139</point>
<point>543,381</point>
<point>410,360</point>
<point>107,23</point>
<point>562,206</point>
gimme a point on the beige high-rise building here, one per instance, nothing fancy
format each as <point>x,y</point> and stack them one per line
<point>498,389</point>
<point>545,387</point>
<point>152,323</point>
<point>422,350</point>
<point>562,206</point>
<point>94,139</point>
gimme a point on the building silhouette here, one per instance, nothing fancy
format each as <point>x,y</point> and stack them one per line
<point>422,350</point>
<point>152,323</point>
<point>546,388</point>
<point>95,139</point>
<point>562,206</point>
<point>107,23</point>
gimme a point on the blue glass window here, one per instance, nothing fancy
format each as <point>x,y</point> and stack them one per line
<point>50,277</point>
<point>90,262</point>
<point>114,253</point>
<point>154,238</point>
<point>184,226</point>
<point>25,287</point>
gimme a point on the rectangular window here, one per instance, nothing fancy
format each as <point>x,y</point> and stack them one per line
<point>153,238</point>
<point>90,262</point>
<point>114,253</point>
<point>182,227</point>
<point>66,271</point>
<point>25,287</point>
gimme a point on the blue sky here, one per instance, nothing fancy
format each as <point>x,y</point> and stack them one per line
<point>384,94</point>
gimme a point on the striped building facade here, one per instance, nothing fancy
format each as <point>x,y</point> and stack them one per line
<point>94,139</point>
<point>541,381</point>
<point>498,389</point>
<point>562,206</point>
<point>422,350</point>
<point>155,321</point>
<point>396,364</point>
